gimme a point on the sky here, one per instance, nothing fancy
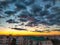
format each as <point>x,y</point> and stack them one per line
<point>14,13</point>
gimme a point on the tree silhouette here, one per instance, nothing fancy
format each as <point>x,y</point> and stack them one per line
<point>13,41</point>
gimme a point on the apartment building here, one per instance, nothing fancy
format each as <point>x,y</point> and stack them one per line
<point>23,41</point>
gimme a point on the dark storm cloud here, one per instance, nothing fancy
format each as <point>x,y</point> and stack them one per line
<point>35,12</point>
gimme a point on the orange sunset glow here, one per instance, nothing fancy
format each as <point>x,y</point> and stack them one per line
<point>12,32</point>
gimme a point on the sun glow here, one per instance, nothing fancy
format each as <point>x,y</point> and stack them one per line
<point>12,32</point>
